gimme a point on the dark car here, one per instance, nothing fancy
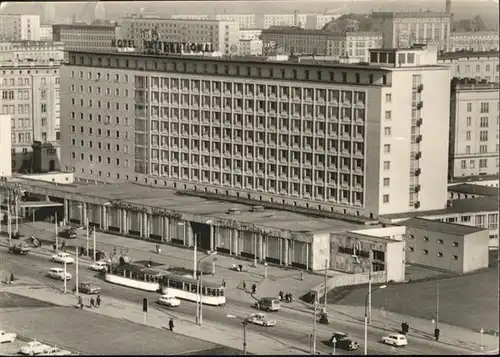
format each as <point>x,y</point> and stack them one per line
<point>19,249</point>
<point>87,288</point>
<point>69,233</point>
<point>343,341</point>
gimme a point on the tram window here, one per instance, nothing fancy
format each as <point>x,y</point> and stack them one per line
<point>186,287</point>
<point>208,292</point>
<point>221,292</point>
<point>193,288</point>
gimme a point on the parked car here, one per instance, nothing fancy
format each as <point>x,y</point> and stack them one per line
<point>88,288</point>
<point>69,233</point>
<point>268,304</point>
<point>21,248</point>
<point>395,339</point>
<point>56,351</point>
<point>7,336</point>
<point>343,341</point>
<point>169,300</point>
<point>99,266</point>
<point>261,319</point>
<point>62,258</point>
<point>58,273</point>
<point>33,348</point>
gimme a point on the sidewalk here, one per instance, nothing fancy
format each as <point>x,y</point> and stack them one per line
<point>277,278</point>
<point>215,333</point>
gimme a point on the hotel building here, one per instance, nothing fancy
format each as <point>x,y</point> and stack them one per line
<point>85,37</point>
<point>404,29</point>
<point>353,139</point>
<point>19,27</point>
<point>477,65</point>
<point>474,41</point>
<point>355,45</point>
<point>474,125</point>
<point>223,35</point>
<point>30,95</point>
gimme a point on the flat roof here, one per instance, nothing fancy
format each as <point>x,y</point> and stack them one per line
<point>476,178</point>
<point>461,206</point>
<point>367,236</point>
<point>210,208</point>
<point>464,54</point>
<point>474,189</point>
<point>437,226</point>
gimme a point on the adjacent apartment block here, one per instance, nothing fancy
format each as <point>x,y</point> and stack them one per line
<point>474,128</point>
<point>251,48</point>
<point>223,35</point>
<point>30,95</point>
<point>19,27</point>
<point>404,29</point>
<point>477,41</point>
<point>85,37</point>
<point>5,146</point>
<point>355,45</point>
<point>477,65</point>
<point>347,138</point>
<point>446,246</point>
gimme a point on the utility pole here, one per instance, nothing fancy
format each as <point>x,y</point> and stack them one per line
<point>437,303</point>
<point>195,268</point>
<point>9,223</point>
<point>255,250</point>
<point>16,197</point>
<point>244,337</point>
<point>93,236</point>
<point>314,324</point>
<point>326,280</point>
<point>76,261</point>
<point>65,280</point>
<point>370,292</point>
<point>57,238</point>
<point>87,241</point>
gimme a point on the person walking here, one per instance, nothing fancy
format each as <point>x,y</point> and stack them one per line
<point>80,302</point>
<point>171,324</point>
<point>254,288</point>
<point>224,283</point>
<point>436,333</point>
<point>244,286</point>
<point>98,300</point>
<point>92,302</point>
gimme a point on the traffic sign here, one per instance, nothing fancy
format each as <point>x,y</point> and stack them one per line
<point>145,305</point>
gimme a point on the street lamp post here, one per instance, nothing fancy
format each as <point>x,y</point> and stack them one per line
<point>245,323</point>
<point>195,265</point>
<point>199,289</point>
<point>366,315</point>
<point>76,268</point>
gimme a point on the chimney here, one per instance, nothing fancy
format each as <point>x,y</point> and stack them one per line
<point>448,7</point>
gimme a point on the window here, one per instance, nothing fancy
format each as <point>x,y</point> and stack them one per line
<point>483,122</point>
<point>387,115</point>
<point>485,107</point>
<point>387,181</point>
<point>440,241</point>
<point>467,135</point>
<point>388,98</point>
<point>387,165</point>
<point>455,244</point>
<point>387,148</point>
<point>425,252</point>
<point>411,236</point>
<point>426,239</point>
<point>483,163</point>
<point>483,135</point>
<point>455,257</point>
<point>472,164</point>
<point>469,107</point>
<point>440,254</point>
<point>467,149</point>
<point>411,249</point>
<point>386,198</point>
<point>483,149</point>
<point>387,131</point>
<point>463,164</point>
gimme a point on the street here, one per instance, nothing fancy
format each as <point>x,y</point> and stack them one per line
<point>293,327</point>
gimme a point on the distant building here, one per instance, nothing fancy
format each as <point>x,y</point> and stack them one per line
<point>49,13</point>
<point>5,146</point>
<point>224,36</point>
<point>446,246</point>
<point>403,29</point>
<point>46,33</point>
<point>477,65</point>
<point>474,41</point>
<point>85,37</point>
<point>30,95</point>
<point>19,27</point>
<point>474,148</point>
<point>99,12</point>
<point>250,34</point>
<point>246,21</point>
<point>251,48</point>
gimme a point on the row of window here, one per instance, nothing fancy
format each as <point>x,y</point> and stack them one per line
<point>90,90</point>
<point>483,122</point>
<point>483,163</point>
<point>90,76</point>
<point>426,252</point>
<point>90,104</point>
<point>426,239</point>
<point>101,132</point>
<point>484,107</point>
<point>108,146</point>
<point>487,68</point>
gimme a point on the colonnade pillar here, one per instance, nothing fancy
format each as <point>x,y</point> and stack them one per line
<point>234,241</point>
<point>166,230</point>
<point>66,210</point>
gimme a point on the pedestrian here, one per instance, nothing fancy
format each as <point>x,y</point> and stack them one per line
<point>92,302</point>
<point>80,302</point>
<point>244,286</point>
<point>98,300</point>
<point>254,288</point>
<point>224,283</point>
<point>171,324</point>
<point>12,278</point>
<point>436,333</point>
<point>54,246</point>
<point>301,275</point>
<point>281,294</point>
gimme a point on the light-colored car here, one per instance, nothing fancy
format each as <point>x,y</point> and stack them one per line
<point>395,339</point>
<point>34,348</point>
<point>169,300</point>
<point>62,258</point>
<point>7,336</point>
<point>99,266</point>
<point>260,319</point>
<point>56,351</point>
<point>58,273</point>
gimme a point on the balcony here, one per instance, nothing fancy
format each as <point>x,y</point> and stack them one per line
<point>418,155</point>
<point>420,105</point>
<point>417,188</point>
<point>417,204</point>
<point>418,172</point>
<point>249,94</point>
<point>418,139</point>
<point>420,88</point>
<point>419,122</point>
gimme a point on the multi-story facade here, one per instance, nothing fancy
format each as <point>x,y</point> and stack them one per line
<point>251,48</point>
<point>246,21</point>
<point>250,34</point>
<point>19,27</point>
<point>474,41</point>
<point>474,129</point>
<point>85,37</point>
<point>223,35</point>
<point>403,29</point>
<point>328,137</point>
<point>46,33</point>
<point>30,95</point>
<point>477,65</point>
<point>5,146</point>
<point>354,45</point>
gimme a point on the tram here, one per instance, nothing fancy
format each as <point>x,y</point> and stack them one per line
<point>156,280</point>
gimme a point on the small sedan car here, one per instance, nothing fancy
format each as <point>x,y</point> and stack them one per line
<point>69,233</point>
<point>260,319</point>
<point>168,300</point>
<point>58,273</point>
<point>342,341</point>
<point>395,339</point>
<point>34,348</point>
<point>99,266</point>
<point>62,258</point>
<point>19,249</point>
<point>7,336</point>
<point>87,288</point>
<point>56,351</point>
